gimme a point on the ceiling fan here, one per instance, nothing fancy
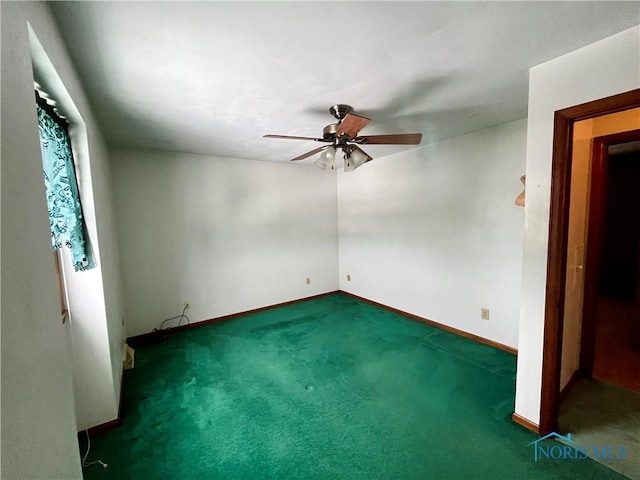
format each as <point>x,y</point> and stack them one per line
<point>344,135</point>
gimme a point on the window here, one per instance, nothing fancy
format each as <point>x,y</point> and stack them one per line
<point>63,200</point>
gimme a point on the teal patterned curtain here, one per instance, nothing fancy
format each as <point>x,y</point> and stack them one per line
<point>65,212</point>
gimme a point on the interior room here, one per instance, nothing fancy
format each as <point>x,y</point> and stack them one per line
<point>307,239</point>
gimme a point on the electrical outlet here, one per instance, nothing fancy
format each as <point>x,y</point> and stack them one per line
<point>187,304</point>
<point>484,313</point>
<point>308,281</point>
<point>348,277</point>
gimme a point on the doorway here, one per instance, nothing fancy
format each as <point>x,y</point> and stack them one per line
<point>558,242</point>
<point>601,405</point>
<point>578,320</point>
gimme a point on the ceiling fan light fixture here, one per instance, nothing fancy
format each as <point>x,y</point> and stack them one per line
<point>321,165</point>
<point>326,159</point>
<point>330,154</point>
<point>354,158</point>
<point>348,165</point>
<point>359,157</point>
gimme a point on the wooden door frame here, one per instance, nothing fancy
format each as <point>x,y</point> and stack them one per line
<point>557,247</point>
<point>597,206</point>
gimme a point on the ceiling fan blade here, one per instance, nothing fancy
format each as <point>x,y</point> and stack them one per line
<point>312,152</point>
<point>394,139</point>
<point>289,137</point>
<point>352,124</point>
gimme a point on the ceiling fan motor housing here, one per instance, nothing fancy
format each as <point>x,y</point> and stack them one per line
<point>330,131</point>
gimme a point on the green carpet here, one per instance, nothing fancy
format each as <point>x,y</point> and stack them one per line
<point>327,388</point>
<point>598,413</point>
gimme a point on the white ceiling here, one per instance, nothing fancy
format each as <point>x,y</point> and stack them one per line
<point>213,77</point>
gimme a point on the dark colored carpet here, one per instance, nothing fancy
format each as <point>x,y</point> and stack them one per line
<point>328,388</point>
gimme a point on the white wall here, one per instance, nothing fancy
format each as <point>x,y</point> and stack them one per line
<point>434,231</point>
<point>38,420</point>
<point>604,68</point>
<point>229,235</point>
